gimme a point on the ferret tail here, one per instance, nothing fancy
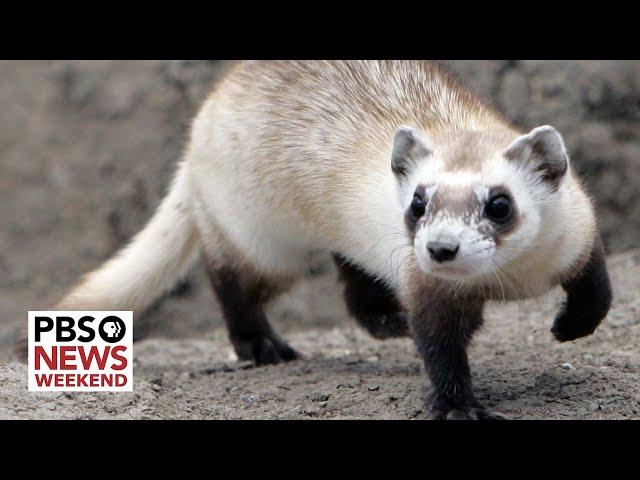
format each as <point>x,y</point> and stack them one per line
<point>149,265</point>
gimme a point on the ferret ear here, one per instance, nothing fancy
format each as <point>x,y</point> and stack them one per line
<point>409,148</point>
<point>543,151</point>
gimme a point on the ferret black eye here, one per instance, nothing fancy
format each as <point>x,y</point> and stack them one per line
<point>498,209</point>
<point>418,206</point>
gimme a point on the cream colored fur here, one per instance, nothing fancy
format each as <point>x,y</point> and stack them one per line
<point>290,157</point>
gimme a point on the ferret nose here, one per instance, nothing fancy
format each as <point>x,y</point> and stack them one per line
<point>443,251</point>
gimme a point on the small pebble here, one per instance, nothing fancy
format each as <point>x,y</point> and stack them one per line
<point>250,399</point>
<point>319,397</point>
<point>244,365</point>
<point>374,388</point>
<point>415,413</point>
<point>568,366</point>
<point>595,407</point>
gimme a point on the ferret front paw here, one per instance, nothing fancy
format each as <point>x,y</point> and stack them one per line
<point>574,323</point>
<point>467,413</point>
<point>471,414</point>
<point>265,350</point>
<point>443,409</point>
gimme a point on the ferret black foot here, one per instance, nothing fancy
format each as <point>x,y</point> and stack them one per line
<point>242,297</point>
<point>264,350</point>
<point>588,299</point>
<point>443,409</point>
<point>472,413</point>
<point>574,323</point>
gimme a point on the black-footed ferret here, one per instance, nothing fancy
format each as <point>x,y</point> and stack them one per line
<point>429,200</point>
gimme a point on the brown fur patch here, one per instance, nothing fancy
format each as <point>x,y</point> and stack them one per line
<point>469,149</point>
<point>457,201</point>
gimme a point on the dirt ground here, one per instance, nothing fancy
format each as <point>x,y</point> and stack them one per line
<point>519,369</point>
<point>86,152</point>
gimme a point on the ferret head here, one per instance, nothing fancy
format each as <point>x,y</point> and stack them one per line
<point>476,202</point>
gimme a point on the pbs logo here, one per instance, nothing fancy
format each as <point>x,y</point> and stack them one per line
<point>112,329</point>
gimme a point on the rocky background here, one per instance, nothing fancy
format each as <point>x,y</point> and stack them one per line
<point>87,149</point>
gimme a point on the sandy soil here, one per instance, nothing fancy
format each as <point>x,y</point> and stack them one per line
<point>519,369</point>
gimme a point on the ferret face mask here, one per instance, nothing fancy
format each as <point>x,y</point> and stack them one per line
<point>473,207</point>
